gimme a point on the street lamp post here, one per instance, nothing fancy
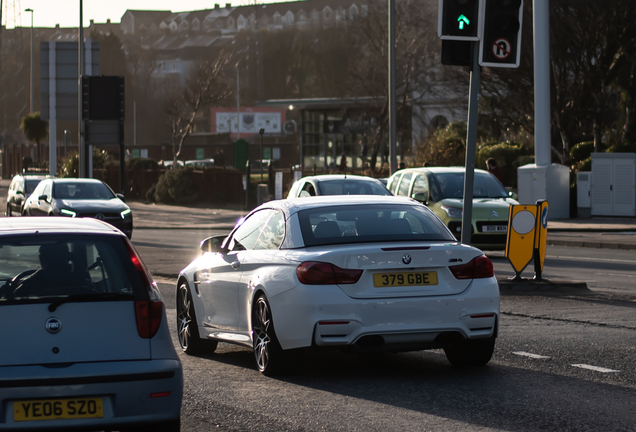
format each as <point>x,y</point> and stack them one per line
<point>261,132</point>
<point>31,107</point>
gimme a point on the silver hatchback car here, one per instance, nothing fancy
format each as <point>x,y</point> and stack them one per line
<point>85,343</point>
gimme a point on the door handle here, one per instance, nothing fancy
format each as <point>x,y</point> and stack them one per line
<point>235,265</point>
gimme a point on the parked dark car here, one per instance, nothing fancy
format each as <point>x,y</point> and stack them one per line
<point>74,197</point>
<point>22,185</point>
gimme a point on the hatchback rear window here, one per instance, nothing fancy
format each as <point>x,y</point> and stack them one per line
<point>371,223</point>
<point>42,268</point>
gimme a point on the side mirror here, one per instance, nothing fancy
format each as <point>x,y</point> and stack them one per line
<point>19,192</point>
<point>213,244</point>
<point>121,197</point>
<point>421,197</point>
<point>43,198</point>
<point>513,195</point>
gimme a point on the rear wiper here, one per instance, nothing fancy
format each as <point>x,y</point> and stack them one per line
<point>90,298</point>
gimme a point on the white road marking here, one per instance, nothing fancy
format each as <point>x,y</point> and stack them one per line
<point>594,368</point>
<point>527,354</point>
<point>591,259</point>
<point>613,274</point>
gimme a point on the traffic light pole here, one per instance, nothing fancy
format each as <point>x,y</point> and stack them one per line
<point>471,145</point>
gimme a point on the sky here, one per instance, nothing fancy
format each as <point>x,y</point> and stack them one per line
<point>48,13</point>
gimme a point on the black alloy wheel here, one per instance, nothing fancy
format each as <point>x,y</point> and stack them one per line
<point>471,353</point>
<point>187,328</point>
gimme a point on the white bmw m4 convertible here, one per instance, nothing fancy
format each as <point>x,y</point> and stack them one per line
<point>365,274</point>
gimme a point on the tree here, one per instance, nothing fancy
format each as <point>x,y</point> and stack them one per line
<point>35,129</point>
<point>205,86</point>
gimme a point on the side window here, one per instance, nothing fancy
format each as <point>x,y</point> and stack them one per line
<point>420,186</point>
<point>47,190</point>
<point>394,183</point>
<point>405,184</point>
<point>308,190</point>
<point>273,233</point>
<point>245,236</point>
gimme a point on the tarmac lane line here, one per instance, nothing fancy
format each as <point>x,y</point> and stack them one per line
<point>531,355</point>
<point>595,368</point>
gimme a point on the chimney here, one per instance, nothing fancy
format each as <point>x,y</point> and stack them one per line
<point>228,5</point>
<point>216,5</point>
<point>92,22</point>
<point>57,26</point>
<point>108,21</point>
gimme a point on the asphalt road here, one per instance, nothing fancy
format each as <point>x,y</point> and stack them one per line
<point>565,361</point>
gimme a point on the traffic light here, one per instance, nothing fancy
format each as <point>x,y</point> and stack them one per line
<point>456,53</point>
<point>500,37</point>
<point>103,97</point>
<point>458,20</point>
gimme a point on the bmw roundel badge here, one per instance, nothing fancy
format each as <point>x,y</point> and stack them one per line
<point>406,259</point>
<point>53,325</point>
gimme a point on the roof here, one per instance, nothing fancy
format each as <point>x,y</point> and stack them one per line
<point>334,177</point>
<point>440,170</point>
<point>55,225</point>
<point>291,206</point>
<point>76,180</point>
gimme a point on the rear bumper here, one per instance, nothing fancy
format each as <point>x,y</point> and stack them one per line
<point>125,388</point>
<point>325,316</point>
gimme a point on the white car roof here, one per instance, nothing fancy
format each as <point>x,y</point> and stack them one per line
<point>54,225</point>
<point>291,207</point>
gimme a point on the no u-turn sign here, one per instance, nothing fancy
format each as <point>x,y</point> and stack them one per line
<point>501,48</point>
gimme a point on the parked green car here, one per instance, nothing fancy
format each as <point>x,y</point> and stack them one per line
<point>442,190</point>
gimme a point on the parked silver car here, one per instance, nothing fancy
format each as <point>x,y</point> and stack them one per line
<point>86,344</point>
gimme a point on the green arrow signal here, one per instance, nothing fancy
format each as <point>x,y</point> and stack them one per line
<point>462,21</point>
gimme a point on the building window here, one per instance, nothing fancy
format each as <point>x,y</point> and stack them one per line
<point>200,153</point>
<point>276,153</point>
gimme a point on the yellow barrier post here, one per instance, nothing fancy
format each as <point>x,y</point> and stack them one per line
<point>522,223</point>
<point>540,239</point>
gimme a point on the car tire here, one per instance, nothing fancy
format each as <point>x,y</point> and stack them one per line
<point>270,358</point>
<point>187,327</point>
<point>471,353</point>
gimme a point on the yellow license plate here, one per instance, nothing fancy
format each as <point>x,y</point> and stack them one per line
<point>404,279</point>
<point>53,409</point>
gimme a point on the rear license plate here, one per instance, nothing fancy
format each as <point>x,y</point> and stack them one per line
<point>53,409</point>
<point>405,279</point>
<point>494,228</point>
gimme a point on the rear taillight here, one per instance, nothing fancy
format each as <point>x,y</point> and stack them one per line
<point>141,269</point>
<point>478,268</point>
<point>148,314</point>
<point>320,273</point>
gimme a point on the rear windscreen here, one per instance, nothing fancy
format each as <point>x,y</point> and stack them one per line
<point>371,223</point>
<point>41,268</point>
<point>351,187</point>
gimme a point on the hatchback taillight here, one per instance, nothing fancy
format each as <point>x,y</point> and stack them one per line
<point>148,314</point>
<point>320,273</point>
<point>478,268</point>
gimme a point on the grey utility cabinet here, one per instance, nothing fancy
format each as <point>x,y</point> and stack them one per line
<point>613,184</point>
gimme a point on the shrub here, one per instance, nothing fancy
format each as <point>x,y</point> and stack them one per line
<point>176,186</point>
<point>70,165</point>
<point>581,151</point>
<point>623,148</point>
<point>137,163</point>
<point>508,156</point>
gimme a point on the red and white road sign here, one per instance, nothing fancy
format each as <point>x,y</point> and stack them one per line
<point>501,48</point>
